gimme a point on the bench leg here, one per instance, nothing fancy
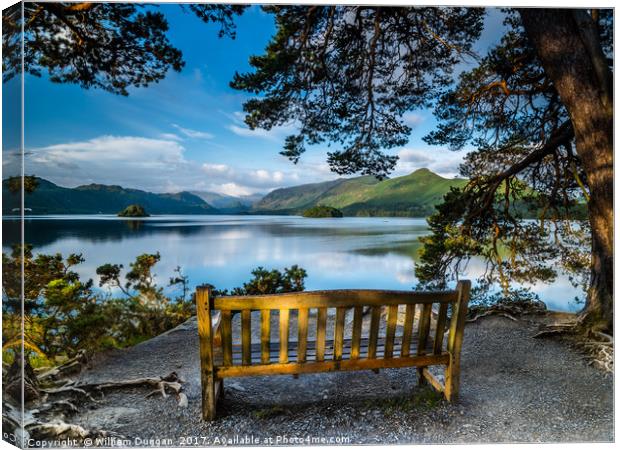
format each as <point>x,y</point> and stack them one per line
<point>452,377</point>
<point>219,390</point>
<point>421,379</point>
<point>209,398</point>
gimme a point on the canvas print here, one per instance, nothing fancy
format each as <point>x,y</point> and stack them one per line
<point>234,224</point>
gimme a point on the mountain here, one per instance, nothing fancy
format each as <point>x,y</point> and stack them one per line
<point>49,198</point>
<point>413,195</point>
<point>227,203</point>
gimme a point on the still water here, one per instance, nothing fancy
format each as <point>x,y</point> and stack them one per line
<point>349,252</point>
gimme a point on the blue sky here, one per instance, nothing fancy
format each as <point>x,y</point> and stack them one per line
<point>187,132</point>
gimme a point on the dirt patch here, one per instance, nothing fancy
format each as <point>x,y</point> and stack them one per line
<point>513,389</point>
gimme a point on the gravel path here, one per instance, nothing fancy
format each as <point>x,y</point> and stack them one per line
<point>513,389</point>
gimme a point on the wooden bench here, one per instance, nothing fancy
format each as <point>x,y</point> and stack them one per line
<point>418,340</point>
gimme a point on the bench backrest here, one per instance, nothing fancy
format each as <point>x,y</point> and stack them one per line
<point>414,324</point>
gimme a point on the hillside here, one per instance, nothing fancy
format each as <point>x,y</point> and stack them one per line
<point>413,195</point>
<point>50,198</point>
<point>229,204</point>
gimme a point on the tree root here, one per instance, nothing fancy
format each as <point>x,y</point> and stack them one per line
<point>48,420</point>
<point>63,430</point>
<point>598,350</point>
<point>171,383</point>
<point>563,328</point>
<point>509,309</point>
<point>492,312</point>
<point>69,367</point>
<point>43,428</point>
<point>56,383</point>
<point>596,346</point>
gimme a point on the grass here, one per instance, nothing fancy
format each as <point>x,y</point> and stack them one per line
<point>423,398</point>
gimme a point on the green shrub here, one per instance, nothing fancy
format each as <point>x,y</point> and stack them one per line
<point>64,315</point>
<point>322,211</point>
<point>133,211</point>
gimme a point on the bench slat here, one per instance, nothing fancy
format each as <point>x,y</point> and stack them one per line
<point>321,324</point>
<point>265,334</point>
<point>332,299</point>
<point>441,327</point>
<point>424,327</point>
<point>274,347</point>
<point>374,331</point>
<point>302,334</point>
<point>310,356</point>
<point>226,337</point>
<point>284,323</point>
<point>311,352</point>
<point>356,332</point>
<point>390,330</point>
<point>407,331</point>
<point>329,366</point>
<point>246,336</point>
<point>339,333</point>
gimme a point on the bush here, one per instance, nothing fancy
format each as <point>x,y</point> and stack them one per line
<point>322,211</point>
<point>64,316</point>
<point>133,211</point>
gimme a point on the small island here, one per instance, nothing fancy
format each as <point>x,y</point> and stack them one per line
<point>133,211</point>
<point>322,211</point>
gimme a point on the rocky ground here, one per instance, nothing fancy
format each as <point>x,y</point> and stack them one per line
<point>513,389</point>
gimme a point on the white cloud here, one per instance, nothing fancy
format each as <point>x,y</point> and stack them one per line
<point>225,179</point>
<point>415,156</point>
<point>193,133</point>
<point>233,189</point>
<point>138,151</point>
<point>161,165</point>
<point>240,128</point>
<point>217,169</point>
<point>126,160</point>
<point>170,136</point>
<point>412,119</point>
<point>258,132</point>
<point>441,161</point>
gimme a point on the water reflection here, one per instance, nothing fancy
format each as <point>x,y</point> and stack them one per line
<point>222,250</point>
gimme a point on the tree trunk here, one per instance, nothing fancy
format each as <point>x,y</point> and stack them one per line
<point>572,57</point>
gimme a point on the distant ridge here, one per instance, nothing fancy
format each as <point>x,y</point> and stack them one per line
<point>228,204</point>
<point>413,195</point>
<point>49,198</point>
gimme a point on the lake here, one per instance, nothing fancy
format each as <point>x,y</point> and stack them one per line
<point>351,252</point>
